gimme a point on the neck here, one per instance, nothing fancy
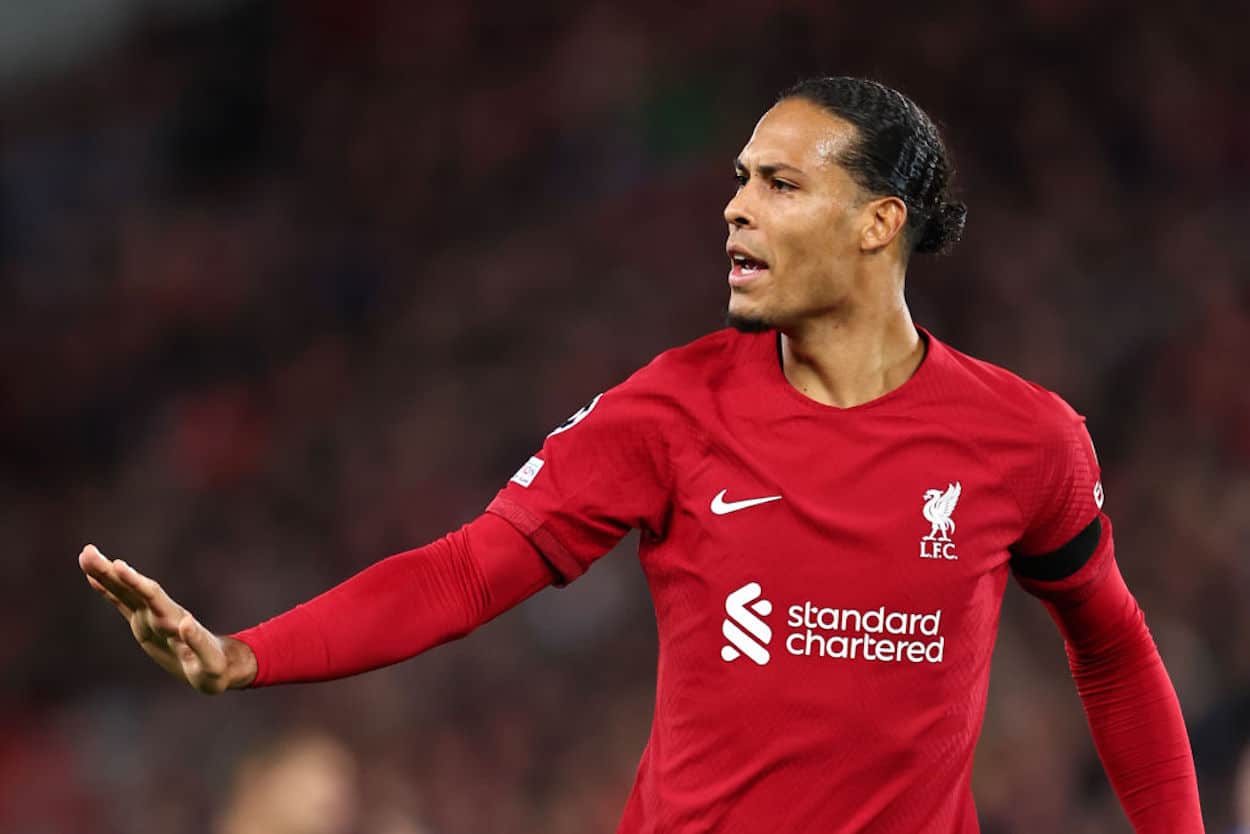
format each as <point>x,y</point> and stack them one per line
<point>854,357</point>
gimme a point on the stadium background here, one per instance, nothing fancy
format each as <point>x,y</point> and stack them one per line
<point>288,287</point>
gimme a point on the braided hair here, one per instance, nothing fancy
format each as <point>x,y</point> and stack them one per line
<point>898,152</point>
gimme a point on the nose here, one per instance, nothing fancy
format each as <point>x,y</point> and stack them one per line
<point>737,211</point>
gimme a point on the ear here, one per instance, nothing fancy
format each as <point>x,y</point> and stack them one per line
<point>884,219</point>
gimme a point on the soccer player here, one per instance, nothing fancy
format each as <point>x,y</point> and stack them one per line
<point>830,501</point>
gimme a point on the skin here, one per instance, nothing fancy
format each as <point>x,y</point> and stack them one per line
<point>833,289</point>
<point>305,784</point>
<point>834,286</point>
<point>166,631</point>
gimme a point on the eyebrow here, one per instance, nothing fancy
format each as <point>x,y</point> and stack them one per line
<point>768,170</point>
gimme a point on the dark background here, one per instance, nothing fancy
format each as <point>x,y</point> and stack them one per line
<point>288,287</point>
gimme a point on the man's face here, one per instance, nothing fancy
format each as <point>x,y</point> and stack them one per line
<point>796,219</point>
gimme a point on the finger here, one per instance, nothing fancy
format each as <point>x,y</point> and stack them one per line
<point>148,590</point>
<point>125,610</point>
<point>97,567</point>
<point>90,558</point>
<point>140,584</point>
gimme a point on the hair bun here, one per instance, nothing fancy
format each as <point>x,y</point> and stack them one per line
<point>943,228</point>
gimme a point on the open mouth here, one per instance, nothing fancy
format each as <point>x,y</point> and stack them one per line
<point>746,265</point>
<point>744,268</point>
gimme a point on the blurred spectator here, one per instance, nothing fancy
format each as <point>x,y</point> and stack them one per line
<point>1241,796</point>
<point>302,782</point>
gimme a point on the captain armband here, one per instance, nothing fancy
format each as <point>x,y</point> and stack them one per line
<point>1063,562</point>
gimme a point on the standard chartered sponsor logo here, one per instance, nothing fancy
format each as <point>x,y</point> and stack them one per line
<point>875,634</point>
<point>747,634</point>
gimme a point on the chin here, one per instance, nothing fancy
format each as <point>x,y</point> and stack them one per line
<point>747,322</point>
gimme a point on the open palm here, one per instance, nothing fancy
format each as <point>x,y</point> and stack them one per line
<point>164,629</point>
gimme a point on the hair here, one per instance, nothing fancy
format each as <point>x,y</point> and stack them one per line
<point>898,152</point>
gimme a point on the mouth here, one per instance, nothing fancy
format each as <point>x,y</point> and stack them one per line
<point>744,267</point>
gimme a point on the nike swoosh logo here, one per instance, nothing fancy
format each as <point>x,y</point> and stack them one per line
<point>722,507</point>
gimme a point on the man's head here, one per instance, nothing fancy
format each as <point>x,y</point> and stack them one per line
<point>842,180</point>
<point>301,781</point>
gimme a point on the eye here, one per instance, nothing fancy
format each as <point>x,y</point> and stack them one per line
<point>782,185</point>
<point>740,178</point>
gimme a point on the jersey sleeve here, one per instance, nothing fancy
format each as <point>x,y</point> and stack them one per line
<point>1060,495</point>
<point>603,472</point>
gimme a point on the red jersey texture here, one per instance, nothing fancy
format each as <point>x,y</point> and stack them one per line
<point>827,582</point>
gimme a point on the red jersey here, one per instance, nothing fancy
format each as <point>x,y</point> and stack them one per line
<point>827,582</point>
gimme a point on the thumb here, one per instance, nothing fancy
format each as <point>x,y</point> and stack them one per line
<point>205,645</point>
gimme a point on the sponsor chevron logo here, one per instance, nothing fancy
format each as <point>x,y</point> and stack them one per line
<point>746,632</point>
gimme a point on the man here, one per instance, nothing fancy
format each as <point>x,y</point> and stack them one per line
<point>830,502</point>
<point>299,782</point>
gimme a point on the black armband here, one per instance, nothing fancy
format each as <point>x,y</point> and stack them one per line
<point>1063,562</point>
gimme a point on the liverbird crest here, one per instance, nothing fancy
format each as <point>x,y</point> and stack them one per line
<point>938,507</point>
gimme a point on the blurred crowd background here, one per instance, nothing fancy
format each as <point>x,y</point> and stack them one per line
<point>288,287</point>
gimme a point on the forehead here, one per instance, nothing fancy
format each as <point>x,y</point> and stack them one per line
<point>799,133</point>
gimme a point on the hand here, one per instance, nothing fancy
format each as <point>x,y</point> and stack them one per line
<point>166,630</point>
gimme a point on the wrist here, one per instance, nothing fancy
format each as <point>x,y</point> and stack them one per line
<point>240,663</point>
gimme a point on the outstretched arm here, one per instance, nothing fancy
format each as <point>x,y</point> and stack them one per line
<point>390,611</point>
